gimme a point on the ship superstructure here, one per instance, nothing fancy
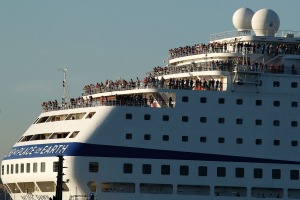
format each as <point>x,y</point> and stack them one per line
<point>220,121</point>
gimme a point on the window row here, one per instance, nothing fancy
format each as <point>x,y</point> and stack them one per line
<point>24,168</point>
<point>184,170</point>
<point>277,84</point>
<point>46,136</point>
<point>199,190</point>
<point>203,139</point>
<point>276,103</point>
<point>220,120</point>
<point>28,168</point>
<point>72,116</point>
<point>239,172</point>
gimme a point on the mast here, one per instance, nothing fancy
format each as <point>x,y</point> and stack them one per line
<point>66,97</point>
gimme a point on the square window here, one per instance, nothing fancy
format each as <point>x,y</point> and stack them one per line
<point>202,139</point>
<point>165,117</point>
<point>166,138</point>
<point>239,140</point>
<point>257,173</point>
<point>258,122</point>
<point>276,84</point>
<point>203,100</point>
<point>239,121</point>
<point>294,123</point>
<point>239,101</point>
<point>93,167</point>
<point>294,174</point>
<point>276,142</point>
<point>258,141</point>
<point>258,102</point>
<point>276,122</point>
<point>147,137</point>
<point>276,174</point>
<point>128,136</point>
<point>127,168</point>
<point>185,99</point>
<point>239,172</point>
<point>185,138</point>
<point>294,104</point>
<point>294,143</point>
<point>276,103</point>
<point>185,119</point>
<point>165,169</point>
<point>203,119</point>
<point>147,117</point>
<point>128,116</point>
<point>221,140</point>
<point>202,171</point>
<point>146,169</point>
<point>184,170</point>
<point>221,120</point>
<point>294,84</point>
<point>221,100</point>
<point>221,171</point>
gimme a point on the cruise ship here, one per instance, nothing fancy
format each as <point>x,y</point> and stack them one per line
<point>218,121</point>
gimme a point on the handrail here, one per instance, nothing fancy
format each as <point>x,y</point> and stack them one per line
<point>251,32</point>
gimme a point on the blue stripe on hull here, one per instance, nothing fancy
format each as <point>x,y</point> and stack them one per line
<point>94,150</point>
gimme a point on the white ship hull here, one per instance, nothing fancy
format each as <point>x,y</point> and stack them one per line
<point>238,138</point>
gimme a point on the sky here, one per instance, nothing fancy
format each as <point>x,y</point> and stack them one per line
<point>98,40</point>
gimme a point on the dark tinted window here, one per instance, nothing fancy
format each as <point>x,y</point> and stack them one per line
<point>203,119</point>
<point>185,118</point>
<point>184,170</point>
<point>203,100</point>
<point>276,84</point>
<point>239,101</point>
<point>127,168</point>
<point>221,171</point>
<point>128,136</point>
<point>185,99</point>
<point>147,137</point>
<point>221,100</point>
<point>258,102</point>
<point>165,169</point>
<point>239,172</point>
<point>294,84</point>
<point>165,137</point>
<point>257,173</point>
<point>147,117</point>
<point>276,103</point>
<point>276,174</point>
<point>146,169</point>
<point>128,116</point>
<point>165,117</point>
<point>202,171</point>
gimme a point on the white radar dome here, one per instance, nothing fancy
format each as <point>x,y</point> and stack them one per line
<point>241,19</point>
<point>265,22</point>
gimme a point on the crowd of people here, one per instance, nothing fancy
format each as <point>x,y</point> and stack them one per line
<point>235,47</point>
<point>193,67</point>
<point>154,82</point>
<point>116,100</point>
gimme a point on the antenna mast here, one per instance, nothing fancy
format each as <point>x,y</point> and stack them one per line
<point>66,97</point>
